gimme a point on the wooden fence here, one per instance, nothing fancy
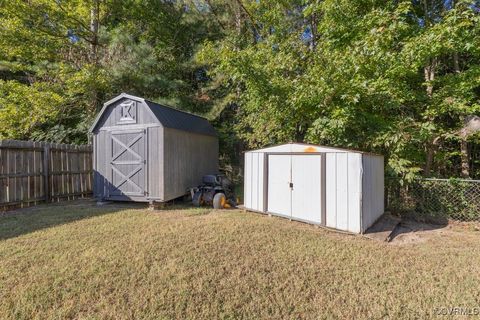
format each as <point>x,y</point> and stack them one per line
<point>33,172</point>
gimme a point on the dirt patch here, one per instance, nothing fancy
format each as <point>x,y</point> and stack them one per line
<point>413,232</point>
<point>383,228</point>
<point>395,231</point>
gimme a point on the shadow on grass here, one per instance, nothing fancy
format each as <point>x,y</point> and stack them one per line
<point>23,221</point>
<point>410,226</point>
<point>390,227</point>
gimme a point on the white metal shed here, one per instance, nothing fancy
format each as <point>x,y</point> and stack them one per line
<point>332,187</point>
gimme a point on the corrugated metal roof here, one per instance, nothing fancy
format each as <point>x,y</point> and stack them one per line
<point>306,147</point>
<point>176,119</point>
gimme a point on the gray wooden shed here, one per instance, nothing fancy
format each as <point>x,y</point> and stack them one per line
<point>147,152</point>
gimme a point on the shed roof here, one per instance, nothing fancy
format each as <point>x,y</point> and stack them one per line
<point>181,120</point>
<point>167,116</point>
<point>298,147</point>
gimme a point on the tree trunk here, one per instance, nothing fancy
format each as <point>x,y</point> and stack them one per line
<point>464,154</point>
<point>313,43</point>
<point>465,158</point>
<point>430,154</point>
<point>429,72</point>
<point>428,164</point>
<point>238,20</point>
<point>456,63</point>
<point>94,26</point>
<point>431,148</point>
<point>215,14</point>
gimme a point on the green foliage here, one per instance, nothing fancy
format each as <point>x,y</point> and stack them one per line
<point>358,80</point>
<point>25,108</point>
<point>394,77</point>
<point>86,52</point>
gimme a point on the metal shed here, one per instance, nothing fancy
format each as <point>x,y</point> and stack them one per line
<point>337,188</point>
<point>147,152</point>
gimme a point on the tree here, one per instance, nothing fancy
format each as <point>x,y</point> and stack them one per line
<point>379,77</point>
<point>89,51</point>
<point>401,78</point>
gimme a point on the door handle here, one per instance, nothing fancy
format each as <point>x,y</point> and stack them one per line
<point>291,185</point>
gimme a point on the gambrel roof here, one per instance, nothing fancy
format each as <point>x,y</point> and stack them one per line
<point>167,116</point>
<point>176,119</point>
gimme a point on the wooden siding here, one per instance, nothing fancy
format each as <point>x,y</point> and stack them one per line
<point>32,172</point>
<point>175,159</point>
<point>155,167</point>
<point>113,113</point>
<point>187,157</point>
<point>147,147</point>
<point>100,164</point>
<point>128,163</point>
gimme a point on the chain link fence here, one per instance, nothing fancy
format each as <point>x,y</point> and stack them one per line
<point>437,200</point>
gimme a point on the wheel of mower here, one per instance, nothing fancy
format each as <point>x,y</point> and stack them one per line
<point>196,201</point>
<point>219,201</point>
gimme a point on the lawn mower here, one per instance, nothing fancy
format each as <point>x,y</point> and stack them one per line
<point>216,190</point>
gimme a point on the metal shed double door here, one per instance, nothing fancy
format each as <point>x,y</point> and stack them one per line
<point>127,163</point>
<point>296,186</point>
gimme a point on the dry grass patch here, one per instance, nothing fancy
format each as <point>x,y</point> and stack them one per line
<point>117,262</point>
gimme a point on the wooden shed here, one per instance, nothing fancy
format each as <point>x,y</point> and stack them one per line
<point>148,152</point>
<point>337,188</point>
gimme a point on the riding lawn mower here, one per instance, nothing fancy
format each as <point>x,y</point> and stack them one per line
<point>216,190</point>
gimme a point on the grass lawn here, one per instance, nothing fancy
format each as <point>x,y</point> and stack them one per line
<point>124,262</point>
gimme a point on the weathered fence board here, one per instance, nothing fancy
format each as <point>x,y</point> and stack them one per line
<point>32,172</point>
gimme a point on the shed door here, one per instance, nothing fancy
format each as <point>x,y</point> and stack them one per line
<point>295,186</point>
<point>306,187</point>
<point>279,191</point>
<point>127,163</point>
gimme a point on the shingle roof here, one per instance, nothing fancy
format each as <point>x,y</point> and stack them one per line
<point>176,119</point>
<point>167,116</point>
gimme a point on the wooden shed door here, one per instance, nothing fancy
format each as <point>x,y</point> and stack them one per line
<point>128,162</point>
